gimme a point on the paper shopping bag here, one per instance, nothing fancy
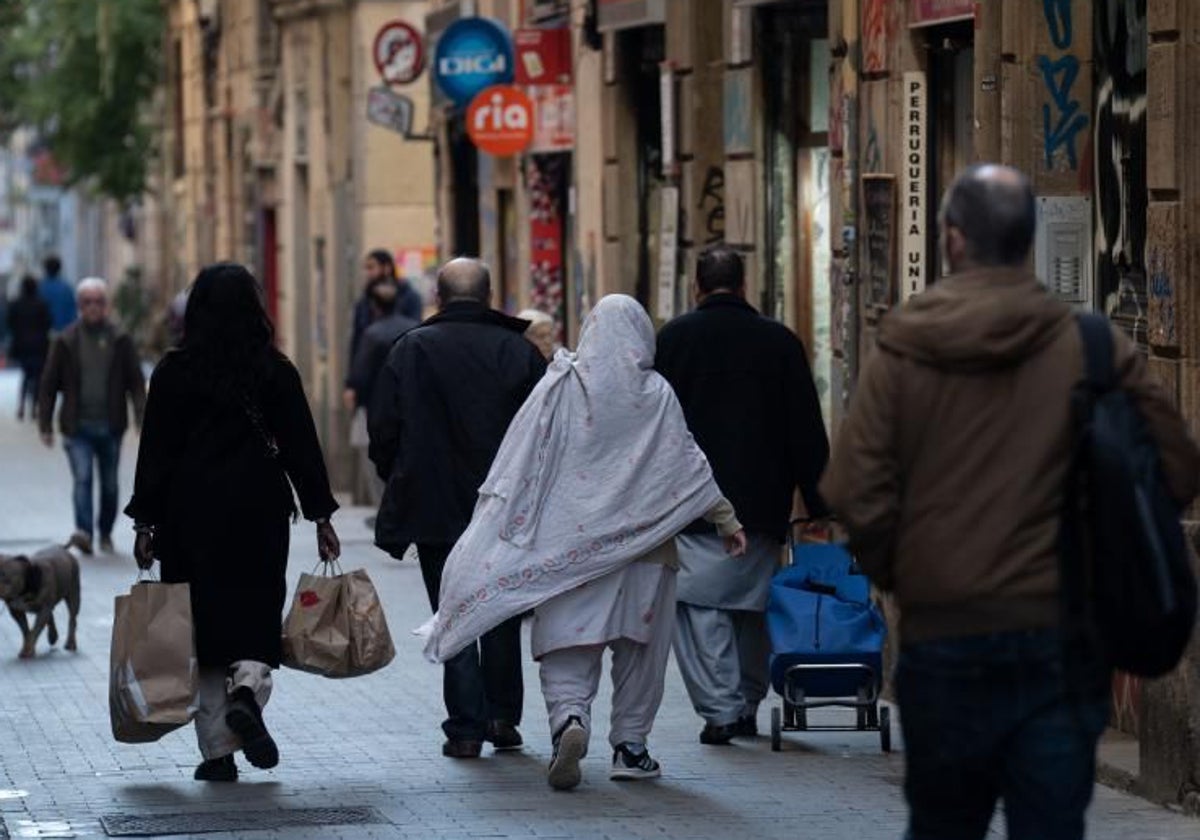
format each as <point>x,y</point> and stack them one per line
<point>154,684</point>
<point>336,627</point>
<point>371,645</point>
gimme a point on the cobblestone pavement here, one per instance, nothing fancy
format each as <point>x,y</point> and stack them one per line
<point>375,742</point>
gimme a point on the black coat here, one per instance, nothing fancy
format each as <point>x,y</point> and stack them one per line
<point>442,404</point>
<point>221,505</point>
<point>29,329</point>
<point>749,399</point>
<point>373,351</point>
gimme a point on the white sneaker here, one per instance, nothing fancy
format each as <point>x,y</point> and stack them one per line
<point>629,766</point>
<point>569,748</point>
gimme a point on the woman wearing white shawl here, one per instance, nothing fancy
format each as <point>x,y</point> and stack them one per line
<point>597,474</point>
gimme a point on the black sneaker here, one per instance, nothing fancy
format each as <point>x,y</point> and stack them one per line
<point>746,727</point>
<point>715,735</point>
<point>629,766</point>
<point>245,719</point>
<point>460,748</point>
<point>222,769</point>
<point>570,746</point>
<point>504,736</point>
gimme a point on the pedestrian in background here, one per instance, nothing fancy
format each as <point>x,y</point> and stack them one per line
<point>749,398</point>
<point>441,406</point>
<point>950,473</point>
<point>541,331</point>
<point>58,295</point>
<point>376,343</point>
<point>29,341</point>
<point>95,367</point>
<point>373,350</point>
<point>596,476</point>
<point>228,435</point>
<point>379,268</point>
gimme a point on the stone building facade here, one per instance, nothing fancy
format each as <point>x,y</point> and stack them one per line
<point>270,160</point>
<point>817,137</point>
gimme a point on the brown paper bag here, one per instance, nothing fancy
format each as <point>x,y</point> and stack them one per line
<point>154,684</point>
<point>336,627</point>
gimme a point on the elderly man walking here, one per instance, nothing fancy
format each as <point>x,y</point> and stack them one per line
<point>750,400</point>
<point>95,368</point>
<point>950,473</point>
<point>440,408</point>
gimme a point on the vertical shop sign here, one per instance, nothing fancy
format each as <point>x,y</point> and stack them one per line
<point>546,178</point>
<point>912,198</point>
<point>668,253</point>
<point>666,81</point>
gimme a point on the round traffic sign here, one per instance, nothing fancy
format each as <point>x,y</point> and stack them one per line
<point>398,52</point>
<point>500,121</point>
<point>472,54</point>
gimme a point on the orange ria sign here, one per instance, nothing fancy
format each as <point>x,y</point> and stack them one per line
<point>500,121</point>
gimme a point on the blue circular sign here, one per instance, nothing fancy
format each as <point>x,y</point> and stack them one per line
<point>472,54</point>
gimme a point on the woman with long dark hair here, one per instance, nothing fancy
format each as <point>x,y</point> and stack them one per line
<point>227,436</point>
<point>29,326</point>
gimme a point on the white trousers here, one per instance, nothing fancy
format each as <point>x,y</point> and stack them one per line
<point>216,684</point>
<point>571,677</point>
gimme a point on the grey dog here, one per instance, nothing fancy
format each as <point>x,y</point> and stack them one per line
<point>35,585</point>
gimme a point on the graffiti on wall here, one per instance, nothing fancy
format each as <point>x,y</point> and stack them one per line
<point>1062,116</point>
<point>1119,161</point>
<point>712,205</point>
<point>875,35</point>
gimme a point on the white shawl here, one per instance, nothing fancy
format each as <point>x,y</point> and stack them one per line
<point>597,469</point>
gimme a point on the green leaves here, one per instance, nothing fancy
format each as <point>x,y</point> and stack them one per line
<point>84,73</point>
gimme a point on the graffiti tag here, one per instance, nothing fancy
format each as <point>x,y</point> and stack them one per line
<point>712,205</point>
<point>1061,118</point>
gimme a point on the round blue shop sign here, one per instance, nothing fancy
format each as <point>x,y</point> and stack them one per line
<point>472,54</point>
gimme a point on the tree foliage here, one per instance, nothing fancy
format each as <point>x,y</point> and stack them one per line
<point>83,73</point>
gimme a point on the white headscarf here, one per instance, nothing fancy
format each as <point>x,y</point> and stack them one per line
<point>597,469</point>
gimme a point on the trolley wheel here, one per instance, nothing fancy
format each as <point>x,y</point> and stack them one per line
<point>885,729</point>
<point>776,729</point>
<point>800,714</point>
<point>873,716</point>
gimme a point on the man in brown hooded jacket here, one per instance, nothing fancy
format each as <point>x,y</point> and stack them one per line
<point>949,474</point>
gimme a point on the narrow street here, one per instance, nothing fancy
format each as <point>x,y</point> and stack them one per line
<point>372,745</point>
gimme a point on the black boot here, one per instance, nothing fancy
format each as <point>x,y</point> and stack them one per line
<point>222,769</point>
<point>245,719</point>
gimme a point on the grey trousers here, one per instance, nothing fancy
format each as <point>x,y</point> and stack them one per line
<point>723,656</point>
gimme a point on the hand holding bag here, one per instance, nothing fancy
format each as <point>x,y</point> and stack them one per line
<point>154,684</point>
<point>336,626</point>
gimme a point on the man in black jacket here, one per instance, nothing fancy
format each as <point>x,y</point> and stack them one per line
<point>750,400</point>
<point>440,409</point>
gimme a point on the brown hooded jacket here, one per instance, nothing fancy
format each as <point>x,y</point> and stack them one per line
<point>950,469</point>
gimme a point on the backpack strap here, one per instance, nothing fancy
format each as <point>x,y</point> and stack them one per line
<point>1098,350</point>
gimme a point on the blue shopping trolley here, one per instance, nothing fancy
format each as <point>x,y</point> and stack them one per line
<point>826,643</point>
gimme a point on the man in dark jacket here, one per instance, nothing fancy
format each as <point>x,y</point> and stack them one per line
<point>950,473</point>
<point>749,398</point>
<point>440,409</point>
<point>379,268</point>
<point>96,369</point>
<point>373,350</point>
<point>376,343</point>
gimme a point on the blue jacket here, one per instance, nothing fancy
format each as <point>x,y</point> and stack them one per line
<point>60,297</point>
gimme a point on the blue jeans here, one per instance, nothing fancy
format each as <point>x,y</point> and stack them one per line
<point>997,717</point>
<point>94,445</point>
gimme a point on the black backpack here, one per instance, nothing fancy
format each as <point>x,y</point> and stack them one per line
<point>1127,576</point>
